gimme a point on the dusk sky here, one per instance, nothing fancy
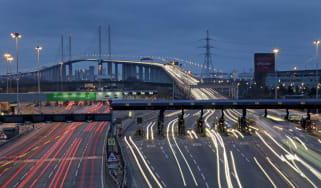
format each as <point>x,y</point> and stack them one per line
<point>165,28</point>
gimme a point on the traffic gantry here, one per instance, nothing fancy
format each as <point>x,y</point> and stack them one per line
<point>160,123</point>
<point>181,124</point>
<point>200,125</point>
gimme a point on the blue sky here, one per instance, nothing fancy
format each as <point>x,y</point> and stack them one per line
<point>166,28</point>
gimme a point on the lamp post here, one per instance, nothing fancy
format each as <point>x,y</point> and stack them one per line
<point>17,36</point>
<point>10,59</point>
<point>38,48</point>
<point>7,56</point>
<point>317,42</point>
<point>276,52</point>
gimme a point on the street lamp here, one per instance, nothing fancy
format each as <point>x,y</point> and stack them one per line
<point>7,56</point>
<point>276,51</point>
<point>17,36</point>
<point>10,59</point>
<point>38,48</point>
<point>317,42</point>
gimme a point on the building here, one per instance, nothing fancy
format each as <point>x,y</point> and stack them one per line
<point>292,78</point>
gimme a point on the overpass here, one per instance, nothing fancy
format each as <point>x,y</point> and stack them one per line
<point>167,105</point>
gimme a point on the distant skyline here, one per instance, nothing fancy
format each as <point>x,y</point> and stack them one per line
<point>165,28</point>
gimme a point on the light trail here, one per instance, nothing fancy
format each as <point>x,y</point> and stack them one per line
<point>190,134</point>
<point>292,142</point>
<point>262,169</point>
<point>235,171</point>
<point>137,162</point>
<point>145,163</point>
<point>147,130</point>
<point>171,147</point>
<point>217,157</point>
<point>289,156</point>
<point>226,165</point>
<point>302,143</point>
<point>237,131</point>
<point>282,175</point>
<point>151,130</point>
<point>195,135</point>
<point>180,151</point>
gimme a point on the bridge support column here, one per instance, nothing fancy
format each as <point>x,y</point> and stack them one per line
<point>265,112</point>
<point>140,72</point>
<point>124,77</point>
<point>116,71</point>
<point>147,71</point>
<point>100,68</point>
<point>63,72</point>
<point>70,72</point>
<point>200,125</point>
<point>160,123</point>
<point>153,73</point>
<point>110,70</point>
<point>181,124</point>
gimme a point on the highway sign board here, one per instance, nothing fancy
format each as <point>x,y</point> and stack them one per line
<point>111,141</point>
<point>71,96</point>
<point>112,161</point>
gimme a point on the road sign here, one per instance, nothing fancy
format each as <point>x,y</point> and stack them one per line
<point>111,141</point>
<point>112,161</point>
<point>112,158</point>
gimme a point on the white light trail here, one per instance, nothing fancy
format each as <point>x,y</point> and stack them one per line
<point>190,134</point>
<point>195,135</point>
<point>138,164</point>
<point>262,169</point>
<point>180,151</point>
<point>152,130</point>
<point>171,147</point>
<point>214,140</point>
<point>292,142</point>
<point>147,130</point>
<point>145,163</point>
<point>302,143</point>
<point>282,175</point>
<point>235,171</point>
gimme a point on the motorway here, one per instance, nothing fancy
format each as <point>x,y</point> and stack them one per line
<point>276,154</point>
<point>57,154</point>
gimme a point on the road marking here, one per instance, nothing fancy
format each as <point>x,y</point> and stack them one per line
<point>157,175</point>
<point>207,185</point>
<point>247,159</point>
<point>76,174</point>
<point>50,174</point>
<point>194,161</point>
<point>152,168</point>
<point>198,167</point>
<point>203,176</point>
<point>163,183</point>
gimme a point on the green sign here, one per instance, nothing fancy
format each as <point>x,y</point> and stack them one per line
<point>111,141</point>
<point>72,96</point>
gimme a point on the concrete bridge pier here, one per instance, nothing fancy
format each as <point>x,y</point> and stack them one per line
<point>116,71</point>
<point>110,70</point>
<point>146,72</point>
<point>70,72</point>
<point>140,72</point>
